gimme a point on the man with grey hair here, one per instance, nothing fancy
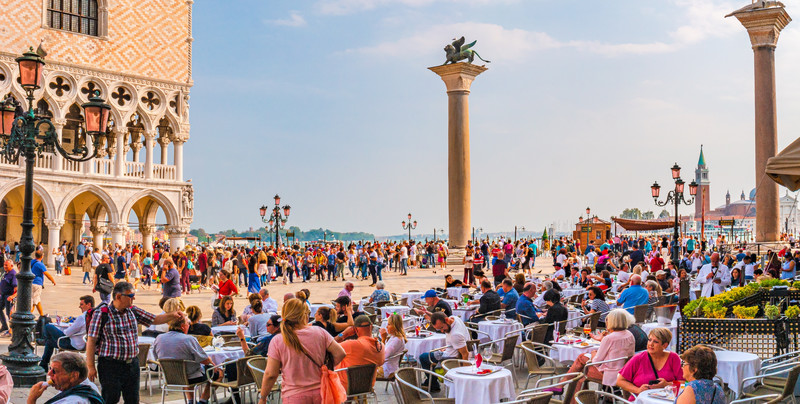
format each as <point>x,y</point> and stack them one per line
<point>539,301</point>
<point>67,373</point>
<point>347,290</point>
<point>635,295</point>
<point>270,305</point>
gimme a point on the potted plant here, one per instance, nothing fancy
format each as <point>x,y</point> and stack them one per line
<point>792,312</point>
<point>745,312</point>
<point>772,311</point>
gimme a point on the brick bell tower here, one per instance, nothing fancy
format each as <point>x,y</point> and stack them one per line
<point>703,198</point>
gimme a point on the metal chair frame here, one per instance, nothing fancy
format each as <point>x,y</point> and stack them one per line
<point>353,373</point>
<point>427,395</point>
<point>595,394</point>
<point>171,384</point>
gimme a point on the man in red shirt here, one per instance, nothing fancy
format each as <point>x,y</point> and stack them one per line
<point>202,266</point>
<point>656,264</point>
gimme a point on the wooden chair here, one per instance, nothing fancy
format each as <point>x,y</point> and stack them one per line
<point>359,382</point>
<point>408,384</point>
<point>176,377</point>
<point>596,397</point>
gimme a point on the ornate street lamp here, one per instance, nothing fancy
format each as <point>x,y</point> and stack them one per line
<point>409,227</point>
<point>675,197</point>
<point>276,220</point>
<point>474,240</point>
<point>441,231</point>
<point>23,134</point>
<point>521,228</point>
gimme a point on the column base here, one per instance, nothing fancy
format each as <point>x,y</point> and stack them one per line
<point>455,257</point>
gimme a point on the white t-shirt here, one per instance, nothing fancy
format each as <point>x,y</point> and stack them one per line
<point>403,252</point>
<point>623,276</point>
<point>456,339</point>
<point>749,270</point>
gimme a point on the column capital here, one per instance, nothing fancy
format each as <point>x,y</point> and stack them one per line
<point>136,146</point>
<point>764,21</point>
<point>146,229</point>
<point>98,229</point>
<point>151,134</point>
<point>179,231</point>
<point>54,224</point>
<point>164,141</point>
<point>458,76</point>
<point>117,227</point>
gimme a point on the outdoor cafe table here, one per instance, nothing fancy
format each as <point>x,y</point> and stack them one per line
<point>570,352</point>
<point>386,311</point>
<point>408,322</point>
<point>315,306</point>
<point>497,329</point>
<point>228,329</point>
<point>465,312</point>
<point>733,366</point>
<point>645,397</point>
<point>417,346</point>
<point>572,317</point>
<point>456,292</point>
<point>468,389</point>
<point>566,293</point>
<point>411,296</point>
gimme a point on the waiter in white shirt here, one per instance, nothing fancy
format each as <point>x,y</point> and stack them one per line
<point>714,277</point>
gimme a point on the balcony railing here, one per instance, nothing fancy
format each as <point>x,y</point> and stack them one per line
<point>134,169</point>
<point>164,172</point>
<point>102,167</point>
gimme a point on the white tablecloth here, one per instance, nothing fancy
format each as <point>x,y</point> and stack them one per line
<point>452,302</point>
<point>408,322</point>
<point>456,292</point>
<point>418,346</point>
<point>497,329</point>
<point>464,313</point>
<point>673,328</point>
<point>411,296</point>
<point>573,316</point>
<point>224,354</point>
<point>733,366</point>
<point>468,389</point>
<point>361,304</point>
<point>568,353</point>
<point>314,307</point>
<point>644,397</point>
<point>146,340</point>
<point>228,329</point>
<point>386,311</point>
<point>572,292</point>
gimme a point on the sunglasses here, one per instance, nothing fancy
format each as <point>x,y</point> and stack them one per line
<point>130,295</point>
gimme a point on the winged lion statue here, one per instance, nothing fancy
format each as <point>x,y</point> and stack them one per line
<point>458,51</point>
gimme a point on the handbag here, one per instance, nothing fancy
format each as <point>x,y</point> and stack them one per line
<point>104,285</point>
<point>331,389</point>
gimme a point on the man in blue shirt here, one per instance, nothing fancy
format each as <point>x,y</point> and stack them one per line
<point>39,272</point>
<point>509,298</point>
<point>81,251</point>
<point>635,295</point>
<point>525,307</point>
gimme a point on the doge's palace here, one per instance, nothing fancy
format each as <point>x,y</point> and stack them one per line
<point>138,55</point>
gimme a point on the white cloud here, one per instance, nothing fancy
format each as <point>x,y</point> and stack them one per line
<point>703,19</point>
<point>343,7</point>
<point>294,20</point>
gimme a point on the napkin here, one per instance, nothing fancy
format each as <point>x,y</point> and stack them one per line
<point>478,360</point>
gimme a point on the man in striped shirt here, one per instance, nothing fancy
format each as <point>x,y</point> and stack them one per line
<point>112,335</point>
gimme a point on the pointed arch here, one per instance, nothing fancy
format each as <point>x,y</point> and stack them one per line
<point>38,189</point>
<point>111,207</point>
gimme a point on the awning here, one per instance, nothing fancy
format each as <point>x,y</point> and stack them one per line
<point>784,168</point>
<point>643,225</point>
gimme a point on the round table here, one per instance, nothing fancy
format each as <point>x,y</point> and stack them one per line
<point>569,353</point>
<point>417,346</point>
<point>566,293</point>
<point>645,397</point>
<point>497,329</point>
<point>411,296</point>
<point>673,328</point>
<point>464,313</point>
<point>228,329</point>
<point>408,322</point>
<point>468,389</point>
<point>315,306</point>
<point>572,317</point>
<point>146,340</point>
<point>224,354</point>
<point>456,292</point>
<point>386,311</point>
<point>451,302</point>
<point>734,366</point>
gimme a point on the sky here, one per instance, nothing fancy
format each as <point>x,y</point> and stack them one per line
<point>330,104</point>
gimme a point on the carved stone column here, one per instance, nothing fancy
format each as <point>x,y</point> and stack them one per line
<point>177,237</point>
<point>149,138</point>
<point>764,22</point>
<point>119,163</point>
<point>458,78</point>
<point>136,146</point>
<point>58,163</point>
<point>53,238</point>
<point>98,233</point>
<point>89,167</point>
<point>164,142</point>
<point>147,236</point>
<point>118,233</point>
<point>177,158</point>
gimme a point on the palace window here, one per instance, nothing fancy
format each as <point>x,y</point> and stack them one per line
<point>73,15</point>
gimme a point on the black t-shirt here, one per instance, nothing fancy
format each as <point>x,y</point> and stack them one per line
<point>120,267</point>
<point>340,256</point>
<point>199,329</point>
<point>251,265</point>
<point>637,256</point>
<point>329,328</point>
<point>103,271</point>
<point>343,317</point>
<point>441,305</point>
<point>270,260</point>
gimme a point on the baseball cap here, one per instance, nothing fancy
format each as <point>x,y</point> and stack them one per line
<point>557,264</point>
<point>362,321</point>
<point>660,273</point>
<point>430,293</point>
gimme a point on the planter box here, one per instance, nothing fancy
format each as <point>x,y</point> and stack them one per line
<point>760,336</point>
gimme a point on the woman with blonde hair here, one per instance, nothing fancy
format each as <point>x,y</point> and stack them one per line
<point>298,353</point>
<point>134,269</point>
<point>394,340</point>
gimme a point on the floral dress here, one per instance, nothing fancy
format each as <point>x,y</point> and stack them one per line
<point>706,392</point>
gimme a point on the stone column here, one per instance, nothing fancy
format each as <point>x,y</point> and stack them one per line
<point>119,163</point>
<point>177,158</point>
<point>177,237</point>
<point>58,164</point>
<point>136,146</point>
<point>164,142</point>
<point>458,78</point>
<point>764,22</point>
<point>89,166</point>
<point>98,232</point>
<point>149,138</point>
<point>118,233</point>
<point>53,239</point>
<point>147,236</point>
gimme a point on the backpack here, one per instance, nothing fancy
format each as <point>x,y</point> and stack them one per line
<point>103,308</point>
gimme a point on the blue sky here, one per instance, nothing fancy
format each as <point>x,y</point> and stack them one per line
<point>330,104</point>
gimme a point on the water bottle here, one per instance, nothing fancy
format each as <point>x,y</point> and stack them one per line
<point>503,316</point>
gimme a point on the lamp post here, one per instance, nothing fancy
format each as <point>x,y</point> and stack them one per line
<point>409,227</point>
<point>474,240</point>
<point>675,197</point>
<point>521,228</point>
<point>23,134</point>
<point>441,231</point>
<point>276,220</point>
